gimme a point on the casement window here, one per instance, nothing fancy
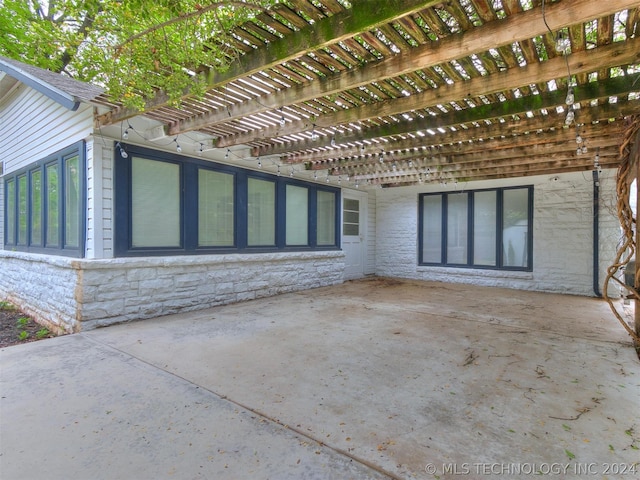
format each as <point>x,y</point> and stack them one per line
<point>45,204</point>
<point>169,204</point>
<point>480,229</point>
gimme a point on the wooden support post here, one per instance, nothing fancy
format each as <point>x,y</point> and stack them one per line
<point>635,159</point>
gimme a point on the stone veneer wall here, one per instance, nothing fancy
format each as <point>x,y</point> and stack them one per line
<point>71,295</point>
<point>562,235</point>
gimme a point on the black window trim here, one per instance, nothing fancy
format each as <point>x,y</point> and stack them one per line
<point>470,230</point>
<point>189,167</point>
<point>58,158</point>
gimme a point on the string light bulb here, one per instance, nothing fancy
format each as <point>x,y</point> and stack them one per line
<point>125,135</point>
<point>259,163</point>
<point>282,120</point>
<point>178,147</point>
<point>570,97</point>
<point>201,149</point>
<point>381,158</point>
<point>314,135</point>
<point>570,117</point>
<point>226,154</point>
<point>123,152</point>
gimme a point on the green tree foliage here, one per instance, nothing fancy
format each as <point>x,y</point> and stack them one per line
<point>133,48</point>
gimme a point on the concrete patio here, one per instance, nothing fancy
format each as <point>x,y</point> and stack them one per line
<point>372,379</point>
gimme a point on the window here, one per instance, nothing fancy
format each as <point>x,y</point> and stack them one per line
<point>481,229</point>
<point>261,213</point>
<point>36,207</point>
<point>155,196</point>
<point>216,209</point>
<point>44,208</point>
<point>297,211</point>
<point>326,220</point>
<point>167,204</point>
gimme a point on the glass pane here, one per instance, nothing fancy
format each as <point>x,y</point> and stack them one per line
<point>326,218</point>
<point>11,212</point>
<point>36,207</point>
<point>457,208</point>
<point>515,227</point>
<point>351,217</point>
<point>22,210</point>
<point>261,212</point>
<point>297,215</point>
<point>484,228</point>
<point>53,193</point>
<point>72,201</point>
<point>215,208</point>
<point>432,229</point>
<point>155,193</point>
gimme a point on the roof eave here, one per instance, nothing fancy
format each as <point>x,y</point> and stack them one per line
<point>70,102</point>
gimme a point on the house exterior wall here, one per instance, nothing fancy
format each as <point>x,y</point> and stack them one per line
<point>562,235</point>
<point>34,126</point>
<point>72,295</point>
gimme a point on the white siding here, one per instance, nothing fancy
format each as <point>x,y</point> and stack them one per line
<point>370,261</point>
<point>99,198</point>
<point>34,126</point>
<point>562,235</point>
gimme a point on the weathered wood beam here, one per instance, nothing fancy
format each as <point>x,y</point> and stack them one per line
<point>468,140</point>
<point>364,15</point>
<point>512,156</point>
<point>498,33</point>
<point>537,166</point>
<point>601,135</point>
<point>548,100</point>
<point>621,53</point>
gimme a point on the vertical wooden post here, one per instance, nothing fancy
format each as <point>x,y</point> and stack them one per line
<point>635,159</point>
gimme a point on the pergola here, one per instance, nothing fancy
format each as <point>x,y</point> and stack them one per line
<point>406,91</point>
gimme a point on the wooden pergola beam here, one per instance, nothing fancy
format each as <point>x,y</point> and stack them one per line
<point>364,15</point>
<point>538,166</point>
<point>548,100</point>
<point>517,149</point>
<point>515,28</point>
<point>621,53</point>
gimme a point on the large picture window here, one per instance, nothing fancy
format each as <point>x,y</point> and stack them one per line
<point>45,202</point>
<point>168,204</point>
<point>480,229</point>
<point>155,203</point>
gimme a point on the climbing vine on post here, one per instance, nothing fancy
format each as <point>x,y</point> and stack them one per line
<point>627,248</point>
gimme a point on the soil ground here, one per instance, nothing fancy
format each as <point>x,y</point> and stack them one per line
<point>11,327</point>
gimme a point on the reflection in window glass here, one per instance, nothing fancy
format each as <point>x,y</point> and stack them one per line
<point>297,215</point>
<point>72,201</point>
<point>36,207</point>
<point>11,212</point>
<point>52,206</point>
<point>215,208</point>
<point>261,216</point>
<point>484,228</point>
<point>515,227</point>
<point>432,229</point>
<point>326,218</point>
<point>155,214</point>
<point>22,210</point>
<point>457,228</point>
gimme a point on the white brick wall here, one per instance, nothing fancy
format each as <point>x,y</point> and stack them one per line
<point>73,295</point>
<point>562,237</point>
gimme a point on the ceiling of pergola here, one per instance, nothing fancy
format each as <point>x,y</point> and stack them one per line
<point>397,92</point>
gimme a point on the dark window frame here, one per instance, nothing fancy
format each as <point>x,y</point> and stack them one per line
<point>470,230</point>
<point>61,248</point>
<point>189,168</point>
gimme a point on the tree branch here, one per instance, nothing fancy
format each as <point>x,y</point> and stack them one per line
<point>187,16</point>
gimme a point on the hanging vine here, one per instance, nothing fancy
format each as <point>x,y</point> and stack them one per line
<point>626,251</point>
